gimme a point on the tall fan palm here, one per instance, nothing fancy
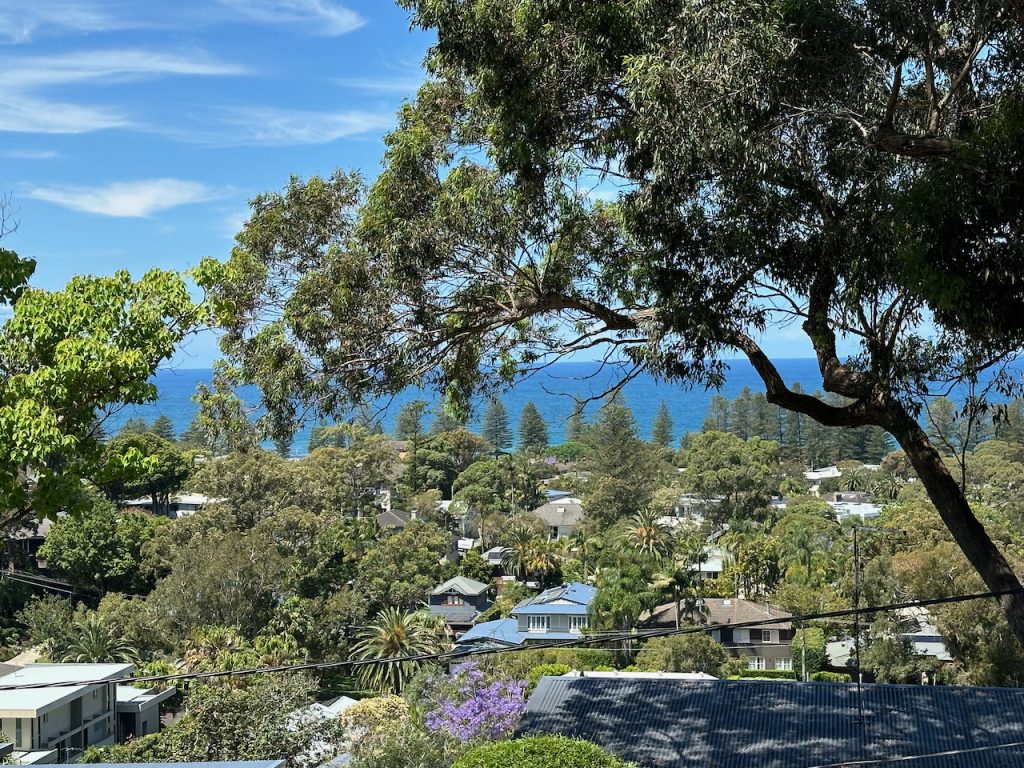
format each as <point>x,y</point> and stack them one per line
<point>94,641</point>
<point>395,633</point>
<point>648,535</point>
<point>519,551</point>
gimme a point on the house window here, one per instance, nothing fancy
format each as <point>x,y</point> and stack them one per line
<point>766,635</point>
<point>17,732</point>
<point>538,623</point>
<point>755,662</point>
<point>577,623</point>
<point>786,664</point>
<point>453,600</point>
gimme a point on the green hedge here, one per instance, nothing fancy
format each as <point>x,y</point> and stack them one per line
<point>540,752</point>
<point>546,670</point>
<point>767,674</point>
<point>831,677</point>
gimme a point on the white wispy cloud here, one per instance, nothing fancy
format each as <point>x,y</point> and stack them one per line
<point>107,66</point>
<point>270,126</point>
<point>21,21</point>
<point>26,81</point>
<point>126,198</point>
<point>405,85</point>
<point>31,154</point>
<point>317,17</point>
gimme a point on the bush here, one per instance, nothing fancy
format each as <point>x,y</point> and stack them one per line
<point>767,674</point>
<point>540,752</point>
<point>830,677</point>
<point>817,657</point>
<point>683,653</point>
<point>546,670</point>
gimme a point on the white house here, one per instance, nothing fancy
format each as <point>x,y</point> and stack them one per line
<point>76,706</point>
<point>181,505</point>
<point>562,517</point>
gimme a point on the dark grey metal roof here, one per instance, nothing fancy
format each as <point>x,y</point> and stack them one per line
<point>762,724</point>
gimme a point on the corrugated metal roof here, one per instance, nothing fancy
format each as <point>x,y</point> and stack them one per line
<point>761,724</point>
<point>461,584</point>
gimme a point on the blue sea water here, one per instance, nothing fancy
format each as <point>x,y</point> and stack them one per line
<point>551,390</point>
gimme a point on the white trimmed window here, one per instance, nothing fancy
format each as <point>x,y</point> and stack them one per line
<point>538,623</point>
<point>766,636</point>
<point>755,662</point>
<point>577,623</point>
<point>786,664</point>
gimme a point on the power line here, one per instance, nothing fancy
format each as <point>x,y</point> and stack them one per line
<point>456,654</point>
<point>36,584</point>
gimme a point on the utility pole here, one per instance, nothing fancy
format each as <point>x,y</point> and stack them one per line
<point>856,608</point>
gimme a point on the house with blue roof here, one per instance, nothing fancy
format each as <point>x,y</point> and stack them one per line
<point>559,613</point>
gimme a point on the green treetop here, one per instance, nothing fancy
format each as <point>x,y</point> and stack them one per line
<point>495,428</point>
<point>533,430</point>
<point>661,430</point>
<point>775,170</point>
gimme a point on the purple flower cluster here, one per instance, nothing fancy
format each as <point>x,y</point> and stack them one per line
<point>471,707</point>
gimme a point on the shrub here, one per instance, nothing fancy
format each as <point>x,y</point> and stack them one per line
<point>767,674</point>
<point>546,670</point>
<point>817,657</point>
<point>471,706</point>
<point>830,677</point>
<point>540,752</point>
<point>683,653</point>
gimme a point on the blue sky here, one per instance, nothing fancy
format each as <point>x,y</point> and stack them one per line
<point>133,133</point>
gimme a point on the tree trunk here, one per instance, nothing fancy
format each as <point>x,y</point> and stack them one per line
<point>951,503</point>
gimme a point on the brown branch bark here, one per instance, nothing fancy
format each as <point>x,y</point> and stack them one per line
<point>888,139</point>
<point>955,511</point>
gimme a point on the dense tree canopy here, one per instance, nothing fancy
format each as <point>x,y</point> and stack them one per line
<point>66,356</point>
<point>848,169</point>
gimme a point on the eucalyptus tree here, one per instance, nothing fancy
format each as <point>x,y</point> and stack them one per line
<point>668,181</point>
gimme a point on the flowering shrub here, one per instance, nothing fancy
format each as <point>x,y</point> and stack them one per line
<point>470,706</point>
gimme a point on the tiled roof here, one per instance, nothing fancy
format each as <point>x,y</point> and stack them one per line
<point>722,611</point>
<point>563,512</point>
<point>393,519</point>
<point>765,724</point>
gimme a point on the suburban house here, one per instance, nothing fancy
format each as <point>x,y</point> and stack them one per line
<point>23,544</point>
<point>916,629</point>
<point>562,517</point>
<point>773,724</point>
<point>559,613</point>
<point>459,601</point>
<point>52,723</point>
<point>766,646</point>
<point>815,476</point>
<point>394,518</point>
<point>181,505</point>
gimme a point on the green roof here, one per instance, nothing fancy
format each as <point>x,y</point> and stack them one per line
<point>462,585</point>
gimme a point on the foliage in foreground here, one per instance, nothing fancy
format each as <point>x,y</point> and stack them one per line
<point>540,752</point>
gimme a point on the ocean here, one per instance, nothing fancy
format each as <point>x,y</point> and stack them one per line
<point>551,390</point>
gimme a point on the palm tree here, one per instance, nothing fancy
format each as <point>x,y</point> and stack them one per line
<point>544,559</point>
<point>886,487</point>
<point>93,641</point>
<point>853,480</point>
<point>519,551</point>
<point>648,535</point>
<point>395,633</point>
